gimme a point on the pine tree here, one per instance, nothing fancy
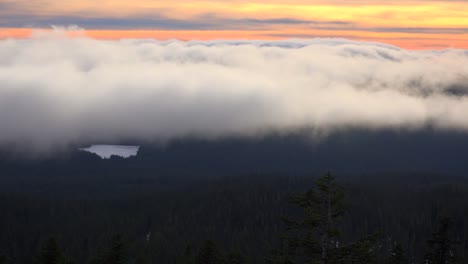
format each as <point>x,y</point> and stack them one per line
<point>281,257</point>
<point>99,257</point>
<point>188,254</point>
<point>323,208</point>
<point>5,260</point>
<point>364,251</point>
<point>209,254</point>
<point>234,258</point>
<point>315,237</point>
<point>50,253</point>
<point>140,259</point>
<point>116,253</point>
<point>186,257</point>
<point>397,255</point>
<point>441,247</point>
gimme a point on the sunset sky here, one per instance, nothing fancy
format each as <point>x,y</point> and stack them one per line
<point>420,24</point>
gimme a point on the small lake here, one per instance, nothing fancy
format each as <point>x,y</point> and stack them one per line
<point>106,151</point>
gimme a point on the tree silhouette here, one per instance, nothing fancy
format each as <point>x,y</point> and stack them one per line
<point>187,256</point>
<point>317,233</point>
<point>116,253</point>
<point>234,258</point>
<point>397,255</point>
<point>315,237</point>
<point>5,260</point>
<point>51,253</point>
<point>209,254</point>
<point>441,247</point>
<point>364,251</point>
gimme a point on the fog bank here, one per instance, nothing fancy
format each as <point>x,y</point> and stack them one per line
<point>57,90</point>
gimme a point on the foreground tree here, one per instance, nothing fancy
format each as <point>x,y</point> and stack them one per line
<point>397,255</point>
<point>441,247</point>
<point>51,253</point>
<point>315,237</point>
<point>187,256</point>
<point>5,260</point>
<point>114,255</point>
<point>363,251</point>
<point>209,254</point>
<point>234,258</point>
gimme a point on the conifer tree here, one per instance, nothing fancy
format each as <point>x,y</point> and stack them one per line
<point>364,251</point>
<point>209,254</point>
<point>141,259</point>
<point>98,258</point>
<point>234,258</point>
<point>116,253</point>
<point>187,257</point>
<point>315,237</point>
<point>397,255</point>
<point>317,233</point>
<point>441,247</point>
<point>50,253</point>
<point>5,260</point>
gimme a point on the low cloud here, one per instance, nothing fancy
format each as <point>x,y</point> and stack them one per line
<point>57,90</point>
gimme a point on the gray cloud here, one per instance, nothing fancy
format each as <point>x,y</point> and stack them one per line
<point>55,90</point>
<point>159,21</point>
<point>205,22</point>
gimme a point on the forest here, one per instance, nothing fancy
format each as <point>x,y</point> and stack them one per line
<point>255,206</point>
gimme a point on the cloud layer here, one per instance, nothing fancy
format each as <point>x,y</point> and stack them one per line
<point>57,90</point>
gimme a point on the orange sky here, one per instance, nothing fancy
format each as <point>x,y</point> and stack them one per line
<point>409,24</point>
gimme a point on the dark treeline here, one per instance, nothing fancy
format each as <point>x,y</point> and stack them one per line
<point>164,222</point>
<point>169,206</point>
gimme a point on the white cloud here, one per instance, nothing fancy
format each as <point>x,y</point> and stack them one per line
<point>57,90</point>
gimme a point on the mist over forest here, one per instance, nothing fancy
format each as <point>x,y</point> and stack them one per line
<point>57,90</point>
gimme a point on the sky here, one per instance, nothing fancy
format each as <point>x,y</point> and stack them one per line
<point>417,24</point>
